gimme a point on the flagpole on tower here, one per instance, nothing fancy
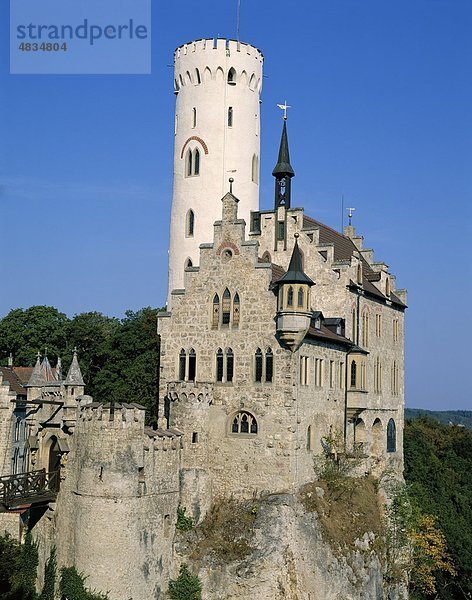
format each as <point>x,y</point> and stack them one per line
<point>238,20</point>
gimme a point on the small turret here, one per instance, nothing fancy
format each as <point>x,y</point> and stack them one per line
<point>74,381</point>
<point>293,302</point>
<point>283,173</point>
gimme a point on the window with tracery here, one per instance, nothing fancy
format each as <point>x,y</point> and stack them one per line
<point>224,365</point>
<point>187,368</point>
<point>263,366</point>
<point>226,307</point>
<point>244,423</point>
<point>215,317</point>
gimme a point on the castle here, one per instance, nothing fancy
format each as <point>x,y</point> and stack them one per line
<point>282,339</point>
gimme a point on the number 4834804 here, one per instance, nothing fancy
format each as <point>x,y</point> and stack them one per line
<point>44,47</point>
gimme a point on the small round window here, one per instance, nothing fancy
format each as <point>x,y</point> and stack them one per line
<point>226,255</point>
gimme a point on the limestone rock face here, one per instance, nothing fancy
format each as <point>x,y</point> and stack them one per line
<point>290,561</point>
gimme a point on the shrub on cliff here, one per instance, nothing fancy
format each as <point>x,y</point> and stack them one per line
<point>186,586</point>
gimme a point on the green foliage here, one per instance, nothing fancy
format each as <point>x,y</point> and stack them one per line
<point>184,522</point>
<point>72,586</point>
<point>438,464</point>
<point>50,573</point>
<point>186,586</point>
<point>118,358</point>
<point>23,576</point>
<point>455,417</point>
<point>10,552</point>
<point>24,332</point>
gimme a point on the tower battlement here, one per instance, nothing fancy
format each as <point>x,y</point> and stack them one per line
<point>229,46</point>
<point>108,416</point>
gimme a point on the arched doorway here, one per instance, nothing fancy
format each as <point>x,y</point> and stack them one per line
<point>54,461</point>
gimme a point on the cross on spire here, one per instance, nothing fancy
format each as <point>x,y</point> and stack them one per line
<point>350,212</point>
<point>284,107</point>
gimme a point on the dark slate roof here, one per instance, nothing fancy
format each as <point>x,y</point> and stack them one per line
<point>295,273</point>
<point>327,335</point>
<point>13,380</point>
<point>283,166</point>
<point>344,248</point>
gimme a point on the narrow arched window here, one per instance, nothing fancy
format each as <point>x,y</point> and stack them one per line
<point>230,116</point>
<point>219,365</point>
<point>194,117</point>
<point>196,170</point>
<point>244,423</point>
<point>190,224</point>
<point>269,365</point>
<point>290,296</point>
<point>226,307</point>
<point>215,317</point>
<point>391,436</point>
<point>188,263</point>
<point>255,169</point>
<point>232,76</point>
<point>308,438</point>
<point>229,365</point>
<point>192,365</point>
<point>182,361</point>
<point>353,374</point>
<point>258,366</point>
<point>189,164</point>
<point>236,306</point>
<point>301,297</point>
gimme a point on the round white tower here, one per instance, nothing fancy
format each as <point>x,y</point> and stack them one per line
<point>217,136</point>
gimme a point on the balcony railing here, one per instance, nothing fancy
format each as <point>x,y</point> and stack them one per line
<point>24,489</point>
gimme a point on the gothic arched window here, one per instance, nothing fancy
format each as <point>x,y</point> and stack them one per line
<point>258,366</point>
<point>290,296</point>
<point>182,363</point>
<point>196,169</point>
<point>188,263</point>
<point>301,298</point>
<point>353,374</point>
<point>232,76</point>
<point>226,308</point>
<point>244,423</point>
<point>190,223</point>
<point>192,365</point>
<point>219,365</point>
<point>189,164</point>
<point>391,436</point>
<point>236,307</point>
<point>229,365</point>
<point>269,365</point>
<point>215,316</point>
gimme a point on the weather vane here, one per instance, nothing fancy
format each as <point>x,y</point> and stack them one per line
<point>284,108</point>
<point>350,214</point>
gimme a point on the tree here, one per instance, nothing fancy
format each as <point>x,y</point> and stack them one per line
<point>25,332</point>
<point>186,586</point>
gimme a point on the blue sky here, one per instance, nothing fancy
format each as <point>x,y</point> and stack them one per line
<point>381,94</point>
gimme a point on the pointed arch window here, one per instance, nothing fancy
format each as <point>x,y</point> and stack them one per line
<point>190,223</point>
<point>230,116</point>
<point>290,296</point>
<point>308,438</point>
<point>226,307</point>
<point>236,306</point>
<point>215,316</point>
<point>192,365</point>
<point>182,364</point>
<point>232,76</point>
<point>196,157</point>
<point>258,366</point>
<point>244,423</point>
<point>353,374</point>
<point>188,263</point>
<point>301,297</point>
<point>391,436</point>
<point>229,365</point>
<point>189,163</point>
<point>219,365</point>
<point>263,366</point>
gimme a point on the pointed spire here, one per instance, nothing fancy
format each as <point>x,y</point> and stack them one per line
<point>74,375</point>
<point>295,273</point>
<point>47,373</point>
<point>36,378</point>
<point>283,166</point>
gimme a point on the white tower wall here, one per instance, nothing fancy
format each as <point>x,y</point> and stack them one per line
<point>201,84</point>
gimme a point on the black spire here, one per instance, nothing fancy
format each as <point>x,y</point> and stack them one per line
<point>295,273</point>
<point>283,172</point>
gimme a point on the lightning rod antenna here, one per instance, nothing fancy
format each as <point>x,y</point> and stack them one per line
<point>238,20</point>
